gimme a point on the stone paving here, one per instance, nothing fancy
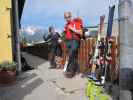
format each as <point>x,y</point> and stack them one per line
<point>44,84</point>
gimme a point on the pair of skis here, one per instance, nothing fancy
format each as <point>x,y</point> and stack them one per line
<point>109,33</point>
<point>107,39</point>
<point>107,48</point>
<point>97,51</point>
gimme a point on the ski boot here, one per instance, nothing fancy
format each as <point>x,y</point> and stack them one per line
<point>92,76</point>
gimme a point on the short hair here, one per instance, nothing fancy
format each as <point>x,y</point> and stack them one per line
<point>68,13</point>
<point>50,28</point>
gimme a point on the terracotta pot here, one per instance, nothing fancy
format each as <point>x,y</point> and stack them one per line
<point>7,77</point>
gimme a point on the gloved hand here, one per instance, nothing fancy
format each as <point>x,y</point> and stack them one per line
<point>59,40</point>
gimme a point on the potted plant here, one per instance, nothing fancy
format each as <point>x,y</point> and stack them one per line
<point>7,72</point>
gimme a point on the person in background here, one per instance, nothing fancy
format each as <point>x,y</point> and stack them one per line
<point>56,50</point>
<point>73,32</point>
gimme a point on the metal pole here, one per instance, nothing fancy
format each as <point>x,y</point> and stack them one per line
<point>18,54</point>
<point>126,50</point>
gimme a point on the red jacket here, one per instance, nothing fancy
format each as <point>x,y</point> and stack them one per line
<point>75,24</point>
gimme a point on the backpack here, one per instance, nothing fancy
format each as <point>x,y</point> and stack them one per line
<point>79,23</point>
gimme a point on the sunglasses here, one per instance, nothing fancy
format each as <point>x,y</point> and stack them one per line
<point>67,17</point>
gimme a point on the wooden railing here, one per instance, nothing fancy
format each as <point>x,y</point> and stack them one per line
<point>43,50</point>
<point>84,50</point>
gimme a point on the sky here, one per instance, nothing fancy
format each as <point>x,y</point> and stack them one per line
<point>45,13</point>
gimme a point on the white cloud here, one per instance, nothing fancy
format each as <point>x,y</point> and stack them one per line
<point>31,30</point>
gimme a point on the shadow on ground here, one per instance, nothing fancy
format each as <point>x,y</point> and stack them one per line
<point>26,82</point>
<point>23,87</point>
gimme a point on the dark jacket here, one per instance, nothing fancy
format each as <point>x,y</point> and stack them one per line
<point>53,38</point>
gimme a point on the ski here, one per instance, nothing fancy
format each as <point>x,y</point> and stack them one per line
<point>96,51</point>
<point>107,46</point>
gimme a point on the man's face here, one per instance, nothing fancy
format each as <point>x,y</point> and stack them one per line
<point>67,16</point>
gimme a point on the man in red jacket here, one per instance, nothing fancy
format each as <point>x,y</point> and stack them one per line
<point>73,33</point>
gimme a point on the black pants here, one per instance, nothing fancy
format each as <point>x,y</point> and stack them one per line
<point>56,50</point>
<point>73,46</point>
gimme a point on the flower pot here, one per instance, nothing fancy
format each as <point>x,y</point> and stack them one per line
<point>7,77</point>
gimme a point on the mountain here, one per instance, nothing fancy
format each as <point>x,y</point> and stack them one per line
<point>33,34</point>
